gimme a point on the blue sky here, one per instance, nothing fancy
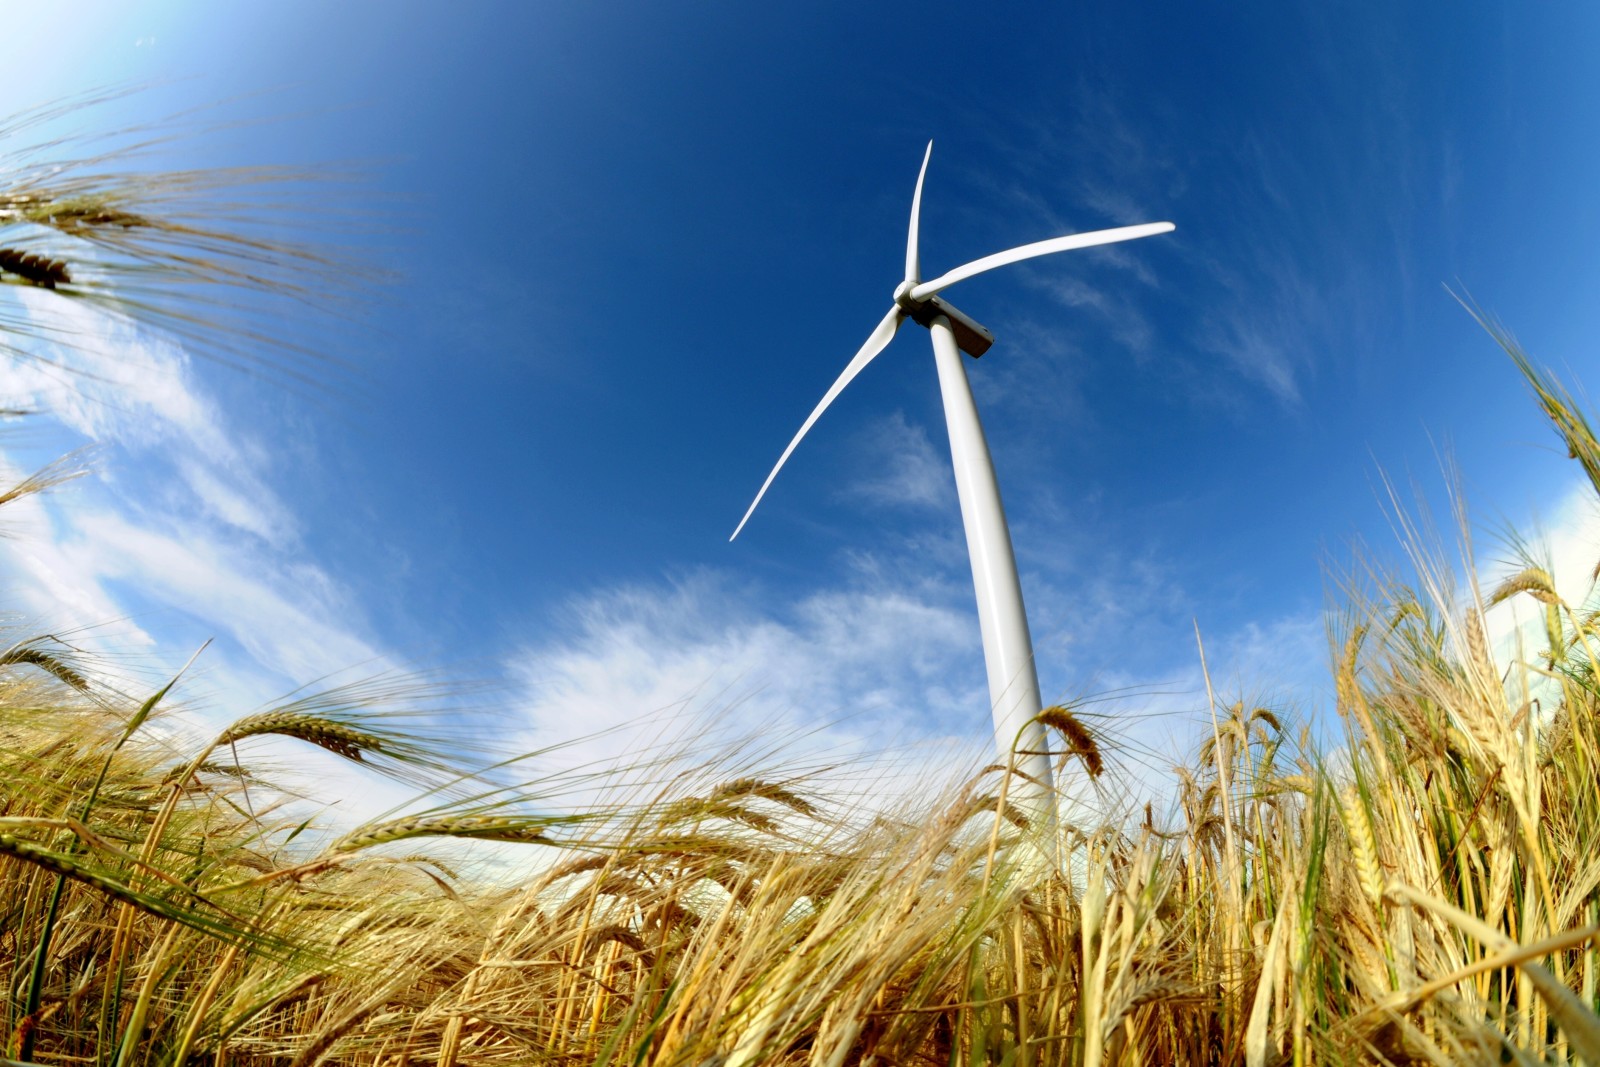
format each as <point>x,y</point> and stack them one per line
<point>632,245</point>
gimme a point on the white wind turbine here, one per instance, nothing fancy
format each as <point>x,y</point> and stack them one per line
<point>1007,648</point>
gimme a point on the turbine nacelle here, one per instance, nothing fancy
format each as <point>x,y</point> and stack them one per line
<point>972,337</point>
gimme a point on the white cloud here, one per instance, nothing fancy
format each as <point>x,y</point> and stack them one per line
<point>1260,353</point>
<point>180,531</point>
<point>49,594</point>
<point>1074,292</point>
<point>1571,540</point>
<point>293,626</point>
<point>245,505</point>
<point>175,538</point>
<point>874,656</point>
<point>1566,546</point>
<point>907,469</point>
<point>876,683</point>
<point>123,387</point>
<point>881,681</point>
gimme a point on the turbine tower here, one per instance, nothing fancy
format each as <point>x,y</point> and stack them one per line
<point>1002,620</point>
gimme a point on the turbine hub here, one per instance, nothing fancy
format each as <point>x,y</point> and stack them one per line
<point>902,298</point>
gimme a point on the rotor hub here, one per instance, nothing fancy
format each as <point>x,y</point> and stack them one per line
<point>902,298</point>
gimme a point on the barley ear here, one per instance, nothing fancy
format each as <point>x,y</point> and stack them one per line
<point>1080,742</point>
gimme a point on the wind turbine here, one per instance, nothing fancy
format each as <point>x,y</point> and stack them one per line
<point>1002,620</point>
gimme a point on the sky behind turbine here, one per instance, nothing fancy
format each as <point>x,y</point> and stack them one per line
<point>634,245</point>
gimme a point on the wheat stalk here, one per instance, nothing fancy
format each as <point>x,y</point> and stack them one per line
<point>337,737</point>
<point>52,664</point>
<point>1363,845</point>
<point>32,268</point>
<point>1080,742</point>
<point>190,251</point>
<point>514,828</point>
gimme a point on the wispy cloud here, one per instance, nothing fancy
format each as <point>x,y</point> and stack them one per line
<point>179,533</point>
<point>882,674</point>
<point>1117,311</point>
<point>904,468</point>
<point>130,390</point>
<point>874,682</point>
<point>1284,270</point>
<point>875,657</point>
<point>1263,347</point>
<point>1564,545</point>
<point>177,537</point>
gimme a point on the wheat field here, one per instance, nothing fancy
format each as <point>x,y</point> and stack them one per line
<point>1425,889</point>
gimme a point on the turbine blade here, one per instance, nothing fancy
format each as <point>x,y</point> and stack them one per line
<point>876,343</point>
<point>913,258</point>
<point>1038,248</point>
